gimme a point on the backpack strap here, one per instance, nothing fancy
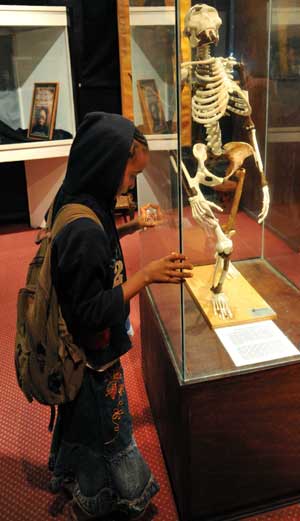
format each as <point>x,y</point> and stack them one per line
<point>69,213</point>
<point>44,232</point>
<point>49,216</point>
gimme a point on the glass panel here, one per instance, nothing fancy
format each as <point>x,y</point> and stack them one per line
<point>215,149</point>
<point>282,241</point>
<point>198,353</point>
<point>154,97</point>
<point>157,185</point>
<point>31,55</point>
<point>152,49</point>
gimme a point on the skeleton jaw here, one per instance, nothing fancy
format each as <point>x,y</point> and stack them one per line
<point>210,35</point>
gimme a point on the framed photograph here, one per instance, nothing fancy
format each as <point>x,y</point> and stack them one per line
<point>152,109</point>
<point>130,64</point>
<point>43,110</point>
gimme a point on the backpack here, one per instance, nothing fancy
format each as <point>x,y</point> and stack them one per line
<point>49,365</point>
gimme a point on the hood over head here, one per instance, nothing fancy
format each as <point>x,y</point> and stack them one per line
<point>98,156</point>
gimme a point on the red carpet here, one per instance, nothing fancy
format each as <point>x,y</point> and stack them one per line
<point>24,439</point>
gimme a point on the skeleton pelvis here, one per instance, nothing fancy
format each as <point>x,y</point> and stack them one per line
<point>225,166</point>
<point>214,171</point>
<point>236,152</point>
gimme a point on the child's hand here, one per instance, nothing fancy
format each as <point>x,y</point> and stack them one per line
<point>168,269</point>
<point>150,215</point>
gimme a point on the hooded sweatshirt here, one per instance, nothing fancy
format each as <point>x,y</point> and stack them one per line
<point>87,264</point>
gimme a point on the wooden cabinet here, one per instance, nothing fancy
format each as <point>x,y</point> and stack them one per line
<point>230,441</point>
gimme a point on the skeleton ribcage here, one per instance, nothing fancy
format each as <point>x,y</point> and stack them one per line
<point>211,95</point>
<point>215,93</point>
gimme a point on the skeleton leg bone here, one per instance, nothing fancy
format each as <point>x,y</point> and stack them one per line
<point>202,213</point>
<point>220,301</point>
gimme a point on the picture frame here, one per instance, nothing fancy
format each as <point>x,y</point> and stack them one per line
<point>285,61</point>
<point>43,110</point>
<point>126,65</point>
<point>151,105</point>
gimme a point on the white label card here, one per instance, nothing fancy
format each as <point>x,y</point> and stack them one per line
<point>256,342</point>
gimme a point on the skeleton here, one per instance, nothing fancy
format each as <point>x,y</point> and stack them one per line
<point>214,95</point>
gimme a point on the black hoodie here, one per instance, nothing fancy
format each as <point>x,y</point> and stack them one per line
<point>86,260</point>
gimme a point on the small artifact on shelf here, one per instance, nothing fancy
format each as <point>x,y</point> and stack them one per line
<point>43,110</point>
<point>152,109</point>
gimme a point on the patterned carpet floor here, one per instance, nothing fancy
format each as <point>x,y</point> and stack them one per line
<point>24,438</point>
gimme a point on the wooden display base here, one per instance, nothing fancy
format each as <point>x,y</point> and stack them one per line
<point>230,436</point>
<point>245,303</point>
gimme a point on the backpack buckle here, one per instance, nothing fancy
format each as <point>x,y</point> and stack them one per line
<point>41,235</point>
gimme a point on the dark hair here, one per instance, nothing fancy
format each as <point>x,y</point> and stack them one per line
<point>140,138</point>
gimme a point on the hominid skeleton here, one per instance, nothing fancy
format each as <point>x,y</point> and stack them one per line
<point>216,94</point>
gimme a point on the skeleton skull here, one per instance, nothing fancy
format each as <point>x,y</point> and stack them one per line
<point>201,25</point>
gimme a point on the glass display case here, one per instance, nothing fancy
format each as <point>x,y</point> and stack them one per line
<point>37,118</point>
<point>34,51</point>
<point>229,430</point>
<point>266,254</point>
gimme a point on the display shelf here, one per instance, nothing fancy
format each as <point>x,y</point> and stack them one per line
<point>283,134</point>
<point>36,150</point>
<point>34,51</point>
<point>34,16</point>
<point>162,141</point>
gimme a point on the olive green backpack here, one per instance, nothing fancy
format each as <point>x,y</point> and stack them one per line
<point>49,366</point>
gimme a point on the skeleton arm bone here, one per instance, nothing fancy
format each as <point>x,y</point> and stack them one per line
<point>201,208</point>
<point>250,127</point>
<point>257,158</point>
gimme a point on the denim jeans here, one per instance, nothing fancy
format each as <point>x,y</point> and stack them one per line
<point>93,450</point>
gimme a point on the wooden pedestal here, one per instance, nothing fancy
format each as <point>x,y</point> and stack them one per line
<point>245,303</point>
<point>231,442</point>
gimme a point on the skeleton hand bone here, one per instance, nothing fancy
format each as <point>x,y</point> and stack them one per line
<point>266,204</point>
<point>202,210</point>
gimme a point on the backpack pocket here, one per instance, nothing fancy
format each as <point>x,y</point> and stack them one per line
<point>25,307</point>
